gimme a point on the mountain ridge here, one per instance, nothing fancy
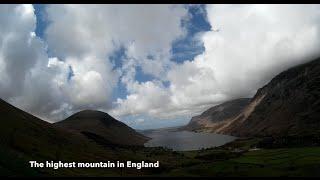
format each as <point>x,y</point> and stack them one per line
<point>288,105</point>
<point>216,116</point>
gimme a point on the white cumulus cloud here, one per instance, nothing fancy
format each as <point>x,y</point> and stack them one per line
<point>253,44</point>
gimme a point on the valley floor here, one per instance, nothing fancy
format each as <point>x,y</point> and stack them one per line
<point>238,158</point>
<point>267,162</point>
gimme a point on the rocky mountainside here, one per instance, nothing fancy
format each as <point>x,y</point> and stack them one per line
<point>217,116</point>
<point>289,105</point>
<point>101,126</point>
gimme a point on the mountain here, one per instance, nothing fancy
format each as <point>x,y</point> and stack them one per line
<point>289,105</point>
<point>100,126</point>
<point>217,116</point>
<point>24,137</point>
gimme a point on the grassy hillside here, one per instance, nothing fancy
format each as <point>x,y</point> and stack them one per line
<point>293,162</point>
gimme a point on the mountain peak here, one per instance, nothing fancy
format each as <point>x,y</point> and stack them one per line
<point>102,125</point>
<point>88,113</point>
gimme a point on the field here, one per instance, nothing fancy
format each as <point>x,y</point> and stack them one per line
<point>304,161</point>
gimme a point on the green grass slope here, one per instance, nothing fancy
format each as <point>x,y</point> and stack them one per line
<point>279,162</point>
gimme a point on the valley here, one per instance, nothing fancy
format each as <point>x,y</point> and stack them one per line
<point>277,135</point>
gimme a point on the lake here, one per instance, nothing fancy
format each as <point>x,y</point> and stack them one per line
<point>185,140</point>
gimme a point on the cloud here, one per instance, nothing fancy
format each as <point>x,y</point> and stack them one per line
<point>14,38</point>
<point>84,37</point>
<point>91,84</point>
<point>150,96</point>
<point>78,30</point>
<point>80,38</point>
<point>140,120</point>
<point>20,53</point>
<point>255,42</point>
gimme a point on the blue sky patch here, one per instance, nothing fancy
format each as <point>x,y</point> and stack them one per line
<point>187,48</point>
<point>39,10</point>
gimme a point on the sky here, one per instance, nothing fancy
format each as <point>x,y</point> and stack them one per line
<point>149,66</point>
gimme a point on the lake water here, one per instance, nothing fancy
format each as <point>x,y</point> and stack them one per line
<point>185,140</point>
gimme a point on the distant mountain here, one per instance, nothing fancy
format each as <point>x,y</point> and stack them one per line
<point>101,126</point>
<point>217,116</point>
<point>288,105</point>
